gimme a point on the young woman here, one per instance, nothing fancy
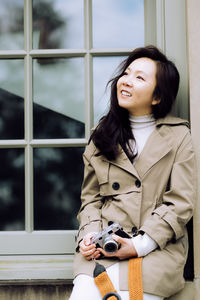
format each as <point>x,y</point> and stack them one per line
<point>139,172</point>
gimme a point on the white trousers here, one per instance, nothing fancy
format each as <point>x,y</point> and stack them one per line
<point>85,288</point>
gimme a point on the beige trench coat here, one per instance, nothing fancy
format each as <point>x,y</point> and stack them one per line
<point>156,195</point>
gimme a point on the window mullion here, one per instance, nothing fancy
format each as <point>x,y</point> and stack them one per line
<point>150,21</point>
<point>57,53</point>
<point>58,143</point>
<point>12,54</point>
<point>160,24</point>
<point>88,66</point>
<point>28,117</point>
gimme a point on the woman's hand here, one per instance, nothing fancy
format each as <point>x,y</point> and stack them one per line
<point>88,249</point>
<point>126,249</point>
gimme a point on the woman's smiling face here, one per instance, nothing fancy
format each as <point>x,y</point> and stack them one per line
<point>136,86</point>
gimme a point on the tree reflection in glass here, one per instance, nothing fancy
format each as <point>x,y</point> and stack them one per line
<point>58,175</point>
<point>12,99</point>
<point>57,24</point>
<point>58,88</point>
<point>11,24</point>
<point>12,189</point>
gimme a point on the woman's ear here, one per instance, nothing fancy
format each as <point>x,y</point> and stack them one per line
<point>155,101</point>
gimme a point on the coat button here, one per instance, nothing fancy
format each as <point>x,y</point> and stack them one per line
<point>115,186</point>
<point>134,230</point>
<point>137,183</point>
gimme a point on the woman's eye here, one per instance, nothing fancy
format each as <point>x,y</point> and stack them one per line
<point>140,77</point>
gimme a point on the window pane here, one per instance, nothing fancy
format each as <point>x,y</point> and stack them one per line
<point>11,24</point>
<point>57,24</point>
<point>12,189</point>
<point>122,25</point>
<point>11,99</point>
<point>57,182</point>
<point>59,98</point>
<point>104,68</point>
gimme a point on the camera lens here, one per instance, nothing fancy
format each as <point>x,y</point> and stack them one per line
<point>109,245</point>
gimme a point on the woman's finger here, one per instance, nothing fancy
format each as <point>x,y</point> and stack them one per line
<point>84,247</point>
<point>88,252</point>
<point>88,238</point>
<point>119,239</point>
<point>91,255</point>
<point>106,254</point>
<point>96,254</point>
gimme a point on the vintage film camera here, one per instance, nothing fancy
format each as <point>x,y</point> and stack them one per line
<point>104,238</point>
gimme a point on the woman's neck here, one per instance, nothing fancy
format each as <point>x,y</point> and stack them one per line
<point>139,122</point>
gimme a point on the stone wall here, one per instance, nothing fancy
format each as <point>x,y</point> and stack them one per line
<point>62,292</point>
<point>35,292</point>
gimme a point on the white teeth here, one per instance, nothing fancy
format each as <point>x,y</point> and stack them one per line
<point>126,94</point>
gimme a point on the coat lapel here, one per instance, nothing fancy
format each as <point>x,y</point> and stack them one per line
<point>155,148</point>
<point>123,162</point>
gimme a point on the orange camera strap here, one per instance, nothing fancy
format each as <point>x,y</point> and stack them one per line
<point>106,287</point>
<point>135,278</point>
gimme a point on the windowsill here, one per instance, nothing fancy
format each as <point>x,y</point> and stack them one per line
<point>36,269</point>
<point>56,270</point>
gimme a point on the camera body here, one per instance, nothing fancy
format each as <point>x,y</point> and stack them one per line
<point>104,238</point>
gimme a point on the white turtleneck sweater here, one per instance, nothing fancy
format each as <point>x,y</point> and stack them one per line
<point>142,128</point>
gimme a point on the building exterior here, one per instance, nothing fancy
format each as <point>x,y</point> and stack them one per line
<point>55,59</point>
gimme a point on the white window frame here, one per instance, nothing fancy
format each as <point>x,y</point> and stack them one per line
<point>37,255</point>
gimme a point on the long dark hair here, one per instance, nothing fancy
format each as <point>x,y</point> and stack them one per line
<point>114,128</point>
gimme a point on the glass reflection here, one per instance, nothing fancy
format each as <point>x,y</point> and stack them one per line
<point>57,24</point>
<point>58,175</point>
<point>11,99</point>
<point>59,95</point>
<point>122,26</point>
<point>103,70</point>
<point>11,24</point>
<point>12,189</point>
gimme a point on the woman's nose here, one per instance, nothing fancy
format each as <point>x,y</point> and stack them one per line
<point>127,81</point>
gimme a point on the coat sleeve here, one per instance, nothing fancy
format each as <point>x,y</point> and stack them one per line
<point>167,222</point>
<point>89,215</point>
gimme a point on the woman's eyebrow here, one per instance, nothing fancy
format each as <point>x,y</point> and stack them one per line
<point>141,71</point>
<point>136,71</point>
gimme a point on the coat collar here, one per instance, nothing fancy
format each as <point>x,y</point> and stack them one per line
<point>158,144</point>
<point>156,147</point>
<point>171,120</point>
